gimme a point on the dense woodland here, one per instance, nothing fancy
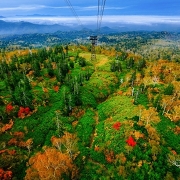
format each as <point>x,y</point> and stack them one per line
<point>63,116</point>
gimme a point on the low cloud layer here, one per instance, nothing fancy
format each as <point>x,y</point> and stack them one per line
<point>87,20</point>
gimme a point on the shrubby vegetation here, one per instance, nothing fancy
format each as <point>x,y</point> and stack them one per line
<point>114,118</point>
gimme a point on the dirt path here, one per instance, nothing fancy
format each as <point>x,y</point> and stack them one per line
<point>100,59</point>
<point>100,62</point>
<point>96,117</point>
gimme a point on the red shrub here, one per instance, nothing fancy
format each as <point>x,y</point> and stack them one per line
<point>131,141</point>
<point>117,125</point>
<point>5,175</point>
<point>56,88</point>
<point>9,108</point>
<point>26,110</point>
<point>23,111</point>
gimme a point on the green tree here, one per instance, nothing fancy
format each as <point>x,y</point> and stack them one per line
<point>169,89</point>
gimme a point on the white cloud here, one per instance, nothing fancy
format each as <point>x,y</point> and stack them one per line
<point>31,7</point>
<point>146,20</point>
<point>95,8</point>
<point>17,8</point>
<point>115,8</point>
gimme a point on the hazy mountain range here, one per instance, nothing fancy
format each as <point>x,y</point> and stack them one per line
<point>23,27</point>
<point>29,28</point>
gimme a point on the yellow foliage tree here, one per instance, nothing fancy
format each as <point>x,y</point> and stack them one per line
<point>67,143</point>
<point>152,133</point>
<point>49,165</point>
<point>149,116</point>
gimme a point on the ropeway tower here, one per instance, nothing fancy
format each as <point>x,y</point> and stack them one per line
<point>101,5</point>
<point>93,51</point>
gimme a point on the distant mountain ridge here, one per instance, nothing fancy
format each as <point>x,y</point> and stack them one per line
<point>23,27</point>
<point>37,15</point>
<point>29,28</point>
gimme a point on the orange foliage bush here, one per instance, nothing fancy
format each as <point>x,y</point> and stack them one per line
<point>121,157</point>
<point>96,148</point>
<point>109,155</point>
<point>120,93</point>
<point>17,140</point>
<point>2,151</point>
<point>19,134</point>
<point>77,113</point>
<point>45,90</point>
<point>152,133</point>
<point>7,126</point>
<point>13,142</point>
<point>56,88</point>
<point>122,171</point>
<point>10,152</point>
<point>49,165</point>
<point>177,130</point>
<point>138,135</point>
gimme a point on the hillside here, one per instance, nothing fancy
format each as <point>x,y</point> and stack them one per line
<point>63,116</point>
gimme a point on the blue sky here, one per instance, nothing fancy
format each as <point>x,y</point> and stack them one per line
<point>145,11</point>
<point>84,7</point>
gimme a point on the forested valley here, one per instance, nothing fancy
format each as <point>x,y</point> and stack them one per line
<point>65,116</point>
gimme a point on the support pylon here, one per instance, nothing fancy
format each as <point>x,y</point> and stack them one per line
<point>93,51</point>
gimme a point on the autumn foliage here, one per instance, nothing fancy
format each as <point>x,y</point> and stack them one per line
<point>77,112</point>
<point>50,165</point>
<point>56,88</point>
<point>23,111</point>
<point>131,142</point>
<point>117,125</point>
<point>17,140</point>
<point>5,175</point>
<point>67,143</point>
<point>96,124</point>
<point>10,152</point>
<point>7,126</point>
<point>9,108</point>
<point>109,155</point>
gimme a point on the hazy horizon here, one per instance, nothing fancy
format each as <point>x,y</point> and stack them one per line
<point>83,8</point>
<point>116,13</point>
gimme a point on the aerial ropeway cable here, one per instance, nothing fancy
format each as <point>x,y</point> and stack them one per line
<point>75,15</point>
<point>101,6</point>
<point>73,11</point>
